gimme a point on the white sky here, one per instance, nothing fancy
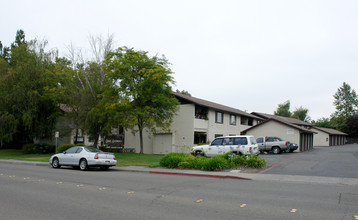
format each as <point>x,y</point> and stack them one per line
<point>251,55</point>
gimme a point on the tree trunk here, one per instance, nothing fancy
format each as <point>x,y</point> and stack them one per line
<point>140,127</point>
<point>76,136</point>
<point>95,144</point>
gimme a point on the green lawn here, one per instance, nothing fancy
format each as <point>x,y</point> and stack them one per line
<point>124,159</point>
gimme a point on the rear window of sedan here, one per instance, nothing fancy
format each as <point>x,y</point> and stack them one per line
<point>92,150</point>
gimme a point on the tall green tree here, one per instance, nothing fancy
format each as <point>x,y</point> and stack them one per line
<point>144,82</point>
<point>84,88</point>
<point>301,114</point>
<point>346,102</point>
<point>351,126</point>
<point>26,74</point>
<point>284,109</point>
<point>324,123</point>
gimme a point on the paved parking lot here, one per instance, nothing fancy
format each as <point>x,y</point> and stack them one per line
<point>338,161</point>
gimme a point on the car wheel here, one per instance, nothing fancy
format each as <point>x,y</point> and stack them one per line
<point>104,168</point>
<point>55,163</point>
<point>83,164</point>
<point>276,150</point>
<point>198,153</point>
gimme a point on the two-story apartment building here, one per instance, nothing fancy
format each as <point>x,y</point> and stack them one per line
<point>197,121</point>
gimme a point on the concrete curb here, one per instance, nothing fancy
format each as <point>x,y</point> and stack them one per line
<point>200,175</point>
<point>24,162</point>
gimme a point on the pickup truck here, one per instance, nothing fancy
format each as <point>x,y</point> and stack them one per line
<point>274,144</point>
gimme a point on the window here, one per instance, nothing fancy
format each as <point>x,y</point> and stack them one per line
<point>219,117</point>
<point>72,150</point>
<point>260,140</point>
<point>233,119</point>
<point>79,139</point>
<point>228,141</point>
<point>201,113</point>
<point>240,141</point>
<point>199,138</point>
<point>243,120</point>
<point>218,141</point>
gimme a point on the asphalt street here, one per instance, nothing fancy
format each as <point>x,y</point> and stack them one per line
<point>40,192</point>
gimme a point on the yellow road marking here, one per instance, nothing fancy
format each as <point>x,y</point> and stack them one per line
<point>199,200</point>
<point>80,185</point>
<point>355,217</point>
<point>243,205</point>
<point>131,192</point>
<point>102,188</point>
<point>26,178</point>
<point>293,210</point>
<point>41,180</point>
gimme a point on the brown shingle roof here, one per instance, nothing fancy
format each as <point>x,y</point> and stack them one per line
<point>331,131</point>
<point>281,118</point>
<point>213,105</point>
<point>301,129</point>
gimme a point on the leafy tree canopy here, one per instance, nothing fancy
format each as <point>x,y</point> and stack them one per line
<point>144,82</point>
<point>346,102</point>
<point>283,109</point>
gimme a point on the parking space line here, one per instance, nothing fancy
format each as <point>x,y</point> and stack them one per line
<point>275,165</point>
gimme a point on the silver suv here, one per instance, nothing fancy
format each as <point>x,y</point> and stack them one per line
<point>240,145</point>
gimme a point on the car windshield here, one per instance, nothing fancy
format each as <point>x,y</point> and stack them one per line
<point>93,150</point>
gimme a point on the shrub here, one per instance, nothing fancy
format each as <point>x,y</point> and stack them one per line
<point>255,162</point>
<point>28,148</point>
<point>214,163</point>
<point>38,149</point>
<point>63,147</point>
<point>172,160</point>
<point>229,160</point>
<point>102,148</point>
<point>239,161</point>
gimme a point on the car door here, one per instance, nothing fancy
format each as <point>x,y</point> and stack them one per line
<point>75,158</point>
<point>213,149</point>
<point>228,145</point>
<point>67,157</point>
<point>260,143</point>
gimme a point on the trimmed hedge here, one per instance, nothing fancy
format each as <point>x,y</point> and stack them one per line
<point>38,149</point>
<point>229,160</point>
<point>63,147</point>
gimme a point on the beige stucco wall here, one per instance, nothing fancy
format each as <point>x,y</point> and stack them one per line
<point>182,131</point>
<point>225,128</point>
<point>275,129</point>
<point>321,138</point>
<point>182,128</point>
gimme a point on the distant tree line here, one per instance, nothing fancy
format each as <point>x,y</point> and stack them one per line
<point>345,118</point>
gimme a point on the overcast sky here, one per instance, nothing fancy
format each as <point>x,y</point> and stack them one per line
<point>250,55</point>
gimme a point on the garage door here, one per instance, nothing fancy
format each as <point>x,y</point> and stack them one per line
<point>162,144</point>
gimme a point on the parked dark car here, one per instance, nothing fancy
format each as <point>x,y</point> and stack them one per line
<point>291,147</point>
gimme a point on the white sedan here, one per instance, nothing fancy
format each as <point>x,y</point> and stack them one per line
<point>83,157</point>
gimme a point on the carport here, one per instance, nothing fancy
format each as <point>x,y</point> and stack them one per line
<point>275,127</point>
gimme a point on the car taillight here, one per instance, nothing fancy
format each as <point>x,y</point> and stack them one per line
<point>96,156</point>
<point>286,143</point>
<point>114,157</point>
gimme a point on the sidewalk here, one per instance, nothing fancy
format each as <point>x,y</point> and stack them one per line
<point>225,174</point>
